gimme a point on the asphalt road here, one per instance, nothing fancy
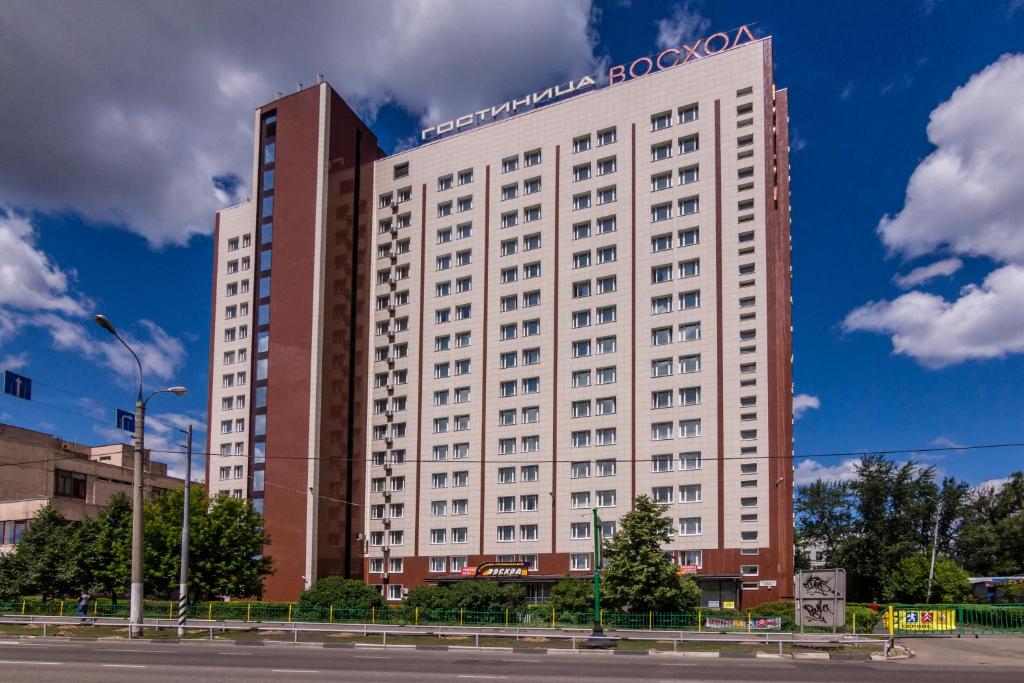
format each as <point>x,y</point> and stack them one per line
<point>89,662</point>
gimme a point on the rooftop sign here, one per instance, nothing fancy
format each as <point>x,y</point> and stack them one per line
<point>666,59</point>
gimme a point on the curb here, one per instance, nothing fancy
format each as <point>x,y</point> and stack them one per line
<point>810,655</point>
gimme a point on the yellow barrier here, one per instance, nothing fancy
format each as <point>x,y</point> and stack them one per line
<point>698,619</point>
<point>331,615</point>
<point>62,608</point>
<point>748,622</point>
<point>248,612</point>
<point>506,618</point>
<point>462,612</point>
<point>417,616</point>
<point>209,610</point>
<point>650,621</point>
<point>552,617</point>
<point>170,609</point>
<point>373,614</point>
<point>289,612</point>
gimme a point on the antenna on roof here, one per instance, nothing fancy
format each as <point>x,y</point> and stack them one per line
<point>319,78</point>
<point>280,94</point>
<point>300,87</point>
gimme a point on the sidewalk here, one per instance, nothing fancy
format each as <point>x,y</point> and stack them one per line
<point>1003,651</point>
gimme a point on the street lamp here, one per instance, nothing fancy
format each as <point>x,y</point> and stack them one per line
<point>135,613</point>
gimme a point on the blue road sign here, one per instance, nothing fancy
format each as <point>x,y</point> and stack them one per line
<point>126,420</point>
<point>17,386</point>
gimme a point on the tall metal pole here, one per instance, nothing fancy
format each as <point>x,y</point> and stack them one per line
<point>935,546</point>
<point>135,611</point>
<point>183,580</point>
<point>598,630</point>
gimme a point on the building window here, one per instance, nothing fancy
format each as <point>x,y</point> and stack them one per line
<point>69,484</point>
<point>605,137</point>
<point>689,526</point>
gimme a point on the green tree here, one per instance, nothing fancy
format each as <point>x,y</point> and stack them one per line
<point>824,518</point>
<point>990,541</point>
<point>106,547</point>
<point>638,575</point>
<point>225,548</point>
<point>909,582</point>
<point>338,592</point>
<point>45,560</point>
<point>573,595</point>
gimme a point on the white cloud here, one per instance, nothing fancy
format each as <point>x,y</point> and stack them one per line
<point>946,442</point>
<point>809,471</point>
<point>681,27</point>
<point>923,274</point>
<point>962,198</point>
<point>161,354</point>
<point>29,280</point>
<point>804,402</point>
<point>14,361</point>
<point>127,111</point>
<point>987,321</point>
<point>965,196</point>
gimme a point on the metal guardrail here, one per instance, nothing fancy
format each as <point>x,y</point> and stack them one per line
<point>779,639</point>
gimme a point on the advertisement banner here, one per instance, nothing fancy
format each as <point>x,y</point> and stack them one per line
<point>924,620</point>
<point>752,624</point>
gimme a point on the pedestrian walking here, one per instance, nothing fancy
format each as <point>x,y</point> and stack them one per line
<point>83,606</point>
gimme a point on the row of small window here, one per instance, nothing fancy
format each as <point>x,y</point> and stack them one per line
<point>234,243</point>
<point>605,225</point>
<point>582,259</point>
<point>385,301</point>
<point>397,510</point>
<point>235,310</point>
<point>11,530</point>
<point>390,325</point>
<point>439,480</point>
<point>396,404</point>
<point>666,271</point>
<point>234,265</point>
<point>389,275</point>
<point>511,246</point>
<point>507,418</point>
<point>686,207</point>
<point>398,430</point>
<point>663,367</point>
<point>686,145</point>
<point>459,451</point>
<point>510,219</point>
<point>444,369</point>
<point>511,302</point>
<point>462,258</point>
<point>685,114</point>
<point>688,396</point>
<point>229,357</point>
<point>663,181</point>
<point>584,200</point>
<point>605,285</point>
<point>237,448</point>
<point>530,444</point>
<point>688,429</point>
<point>232,402</point>
<point>462,204</point>
<point>510,359</point>
<point>460,232</point>
<point>599,315</point>
<point>530,385</point>
<point>233,288</point>
<point>606,136</point>
<point>511,163</point>
<point>227,426</point>
<point>399,196</point>
<point>233,333</point>
<point>510,330</point>
<point>443,425</point>
<point>511,274</point>
<point>382,379</point>
<point>227,473</point>
<point>684,238</point>
<point>384,249</point>
<point>444,315</point>
<point>605,166</point>
<point>462,284</point>
<point>400,221</point>
<point>511,190</point>
<point>605,436</point>
<point>397,483</point>
<point>687,301</point>
<point>233,379</point>
<point>585,378</point>
<point>584,348</point>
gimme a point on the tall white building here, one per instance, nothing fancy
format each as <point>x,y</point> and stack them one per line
<point>565,301</point>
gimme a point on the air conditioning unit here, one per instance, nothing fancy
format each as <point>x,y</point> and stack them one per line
<point>384,576</point>
<point>394,257</point>
<point>387,522</point>
<point>391,309</point>
<point>388,441</point>
<point>390,388</point>
<point>386,549</point>
<point>387,495</point>
<point>393,284</point>
<point>391,361</point>
<point>394,233</point>
<point>394,207</point>
<point>391,336</point>
<point>405,591</point>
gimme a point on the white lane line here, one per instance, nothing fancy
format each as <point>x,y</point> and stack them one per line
<point>516,661</point>
<point>124,666</point>
<point>15,661</point>
<point>295,671</point>
<point>368,657</point>
<point>113,649</point>
<point>240,654</point>
<point>479,676</point>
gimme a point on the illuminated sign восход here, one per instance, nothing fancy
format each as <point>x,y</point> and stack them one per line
<point>666,59</point>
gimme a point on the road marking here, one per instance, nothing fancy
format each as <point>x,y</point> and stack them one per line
<point>516,661</point>
<point>240,654</point>
<point>295,671</point>
<point>479,676</point>
<point>368,657</point>
<point>15,661</point>
<point>124,666</point>
<point>112,649</point>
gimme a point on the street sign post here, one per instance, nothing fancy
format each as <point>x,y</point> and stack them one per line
<point>17,385</point>
<point>126,420</point>
<point>821,598</point>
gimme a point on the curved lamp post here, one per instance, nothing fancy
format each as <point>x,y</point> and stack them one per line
<point>137,593</point>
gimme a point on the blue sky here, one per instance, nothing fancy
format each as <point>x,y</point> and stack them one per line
<point>108,190</point>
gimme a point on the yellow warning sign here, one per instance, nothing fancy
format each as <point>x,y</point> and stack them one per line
<point>922,620</point>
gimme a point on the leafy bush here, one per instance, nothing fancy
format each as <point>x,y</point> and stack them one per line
<point>473,596</point>
<point>339,592</point>
<point>572,595</point>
